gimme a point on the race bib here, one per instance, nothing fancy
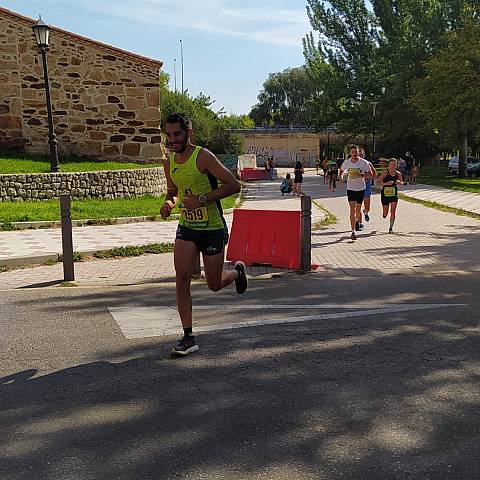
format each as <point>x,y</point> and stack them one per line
<point>197,217</point>
<point>390,192</point>
<point>353,173</point>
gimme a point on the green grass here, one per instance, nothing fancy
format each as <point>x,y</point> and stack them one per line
<point>101,211</point>
<point>12,163</point>
<point>330,218</point>
<point>430,175</point>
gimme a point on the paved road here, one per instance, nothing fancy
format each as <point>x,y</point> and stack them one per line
<point>389,394</point>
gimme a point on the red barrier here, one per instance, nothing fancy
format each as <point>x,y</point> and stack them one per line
<point>253,174</point>
<point>265,237</point>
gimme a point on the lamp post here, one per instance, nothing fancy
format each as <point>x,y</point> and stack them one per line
<point>374,104</point>
<point>42,34</point>
<point>374,127</point>
<point>181,58</point>
<point>175,73</point>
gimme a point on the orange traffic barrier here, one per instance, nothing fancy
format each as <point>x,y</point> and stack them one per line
<point>265,237</point>
<point>253,174</point>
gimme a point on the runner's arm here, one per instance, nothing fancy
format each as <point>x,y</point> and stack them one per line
<point>373,171</point>
<point>209,163</point>
<point>380,179</point>
<point>172,191</point>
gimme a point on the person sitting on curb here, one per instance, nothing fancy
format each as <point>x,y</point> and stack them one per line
<point>287,185</point>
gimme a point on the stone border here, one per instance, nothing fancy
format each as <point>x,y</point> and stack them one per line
<point>104,184</point>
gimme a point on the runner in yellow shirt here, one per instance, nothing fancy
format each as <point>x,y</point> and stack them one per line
<point>389,181</point>
<point>193,174</point>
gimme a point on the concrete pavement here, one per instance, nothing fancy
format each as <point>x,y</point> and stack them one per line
<point>470,202</point>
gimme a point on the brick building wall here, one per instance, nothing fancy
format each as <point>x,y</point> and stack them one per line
<point>105,101</point>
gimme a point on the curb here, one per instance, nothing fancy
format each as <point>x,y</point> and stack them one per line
<point>112,221</point>
<point>29,260</point>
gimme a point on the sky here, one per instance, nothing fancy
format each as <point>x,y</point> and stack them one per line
<point>229,46</point>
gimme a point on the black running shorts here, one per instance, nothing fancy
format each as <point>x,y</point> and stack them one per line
<point>388,200</point>
<point>209,242</point>
<point>356,196</point>
<point>298,179</point>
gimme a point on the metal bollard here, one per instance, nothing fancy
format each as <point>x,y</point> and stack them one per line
<point>67,240</point>
<point>306,234</point>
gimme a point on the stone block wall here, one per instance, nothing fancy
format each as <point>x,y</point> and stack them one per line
<point>105,100</point>
<point>103,184</point>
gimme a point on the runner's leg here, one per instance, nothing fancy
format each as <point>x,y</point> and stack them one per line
<point>366,202</point>
<point>352,214</point>
<point>184,258</point>
<point>358,214</point>
<point>185,255</point>
<point>385,210</point>
<point>217,277</point>
<point>393,214</point>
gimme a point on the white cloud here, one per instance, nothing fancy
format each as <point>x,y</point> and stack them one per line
<point>265,23</point>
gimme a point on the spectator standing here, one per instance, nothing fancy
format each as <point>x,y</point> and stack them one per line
<point>298,178</point>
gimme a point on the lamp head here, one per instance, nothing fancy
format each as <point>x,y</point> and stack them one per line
<point>42,33</point>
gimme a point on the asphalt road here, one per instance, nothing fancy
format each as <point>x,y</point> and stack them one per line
<point>382,395</point>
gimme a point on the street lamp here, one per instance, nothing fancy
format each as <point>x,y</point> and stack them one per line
<point>42,34</point>
<point>374,105</point>
<point>181,58</point>
<point>175,73</point>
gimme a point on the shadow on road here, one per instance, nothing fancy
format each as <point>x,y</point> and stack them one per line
<point>383,397</point>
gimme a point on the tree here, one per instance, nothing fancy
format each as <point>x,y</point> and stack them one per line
<point>447,96</point>
<point>210,128</point>
<point>363,47</point>
<point>284,99</point>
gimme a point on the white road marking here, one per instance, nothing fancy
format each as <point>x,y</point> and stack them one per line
<point>145,322</point>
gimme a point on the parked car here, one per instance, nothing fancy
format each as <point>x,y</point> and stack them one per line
<point>453,163</point>
<point>474,172</point>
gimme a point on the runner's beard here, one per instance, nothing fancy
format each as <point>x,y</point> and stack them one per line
<point>183,146</point>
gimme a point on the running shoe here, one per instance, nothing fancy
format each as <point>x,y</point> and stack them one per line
<point>360,227</point>
<point>353,236</point>
<point>241,283</point>
<point>367,218</point>
<point>184,346</point>
<point>390,230</point>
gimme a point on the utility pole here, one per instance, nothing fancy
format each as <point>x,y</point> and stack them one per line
<point>374,128</point>
<point>175,73</point>
<point>181,53</point>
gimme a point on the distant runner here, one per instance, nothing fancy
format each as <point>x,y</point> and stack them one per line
<point>193,174</point>
<point>332,174</point>
<point>357,169</point>
<point>368,192</point>
<point>388,181</point>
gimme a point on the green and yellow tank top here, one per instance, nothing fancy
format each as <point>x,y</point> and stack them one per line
<point>190,181</point>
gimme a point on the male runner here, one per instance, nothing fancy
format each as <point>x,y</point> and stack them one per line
<point>368,192</point>
<point>358,169</point>
<point>193,174</point>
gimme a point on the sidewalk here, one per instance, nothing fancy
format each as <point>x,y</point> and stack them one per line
<point>425,241</point>
<point>45,245</point>
<point>467,201</point>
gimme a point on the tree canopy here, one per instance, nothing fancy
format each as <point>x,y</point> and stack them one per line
<point>363,52</point>
<point>210,128</point>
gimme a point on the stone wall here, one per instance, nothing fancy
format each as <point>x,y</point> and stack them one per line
<point>105,100</point>
<point>103,184</point>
